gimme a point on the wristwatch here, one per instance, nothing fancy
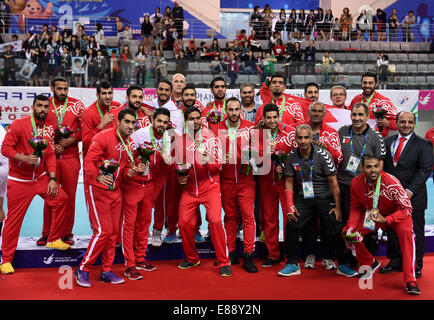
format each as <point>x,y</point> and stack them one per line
<point>53,178</point>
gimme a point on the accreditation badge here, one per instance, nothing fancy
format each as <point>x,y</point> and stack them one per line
<point>353,164</point>
<point>368,223</point>
<point>308,189</point>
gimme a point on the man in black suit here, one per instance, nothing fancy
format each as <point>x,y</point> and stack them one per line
<point>410,159</point>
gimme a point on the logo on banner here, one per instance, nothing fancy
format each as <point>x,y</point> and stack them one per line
<point>49,260</point>
<point>403,99</point>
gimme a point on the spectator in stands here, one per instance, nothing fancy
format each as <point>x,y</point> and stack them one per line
<point>61,43</point>
<point>170,30</point>
<point>242,36</point>
<point>52,62</point>
<point>215,48</point>
<point>362,24</point>
<point>91,68</point>
<point>80,31</point>
<point>338,96</point>
<point>75,44</point>
<point>5,12</point>
<point>383,66</point>
<point>253,41</point>
<point>93,44</point>
<point>37,73</point>
<point>319,25</point>
<point>141,66</point>
<point>381,24</point>
<point>203,50</point>
<point>280,23</point>
<point>84,43</point>
<point>99,35</point>
<point>309,57</point>
<point>114,70</point>
<point>268,65</point>
<point>296,57</point>
<point>310,25</point>
<point>159,28</point>
<point>216,66</point>
<point>408,21</point>
<point>233,69</point>
<point>178,18</point>
<point>244,49</point>
<point>256,21</point>
<point>119,25</point>
<point>167,15</point>
<point>248,63</point>
<point>54,33</point>
<point>44,30</point>
<point>181,63</point>
<point>336,30</point>
<point>346,22</point>
<point>127,33</point>
<point>393,25</point>
<point>276,35</point>
<point>328,24</point>
<point>147,29</point>
<point>160,66</point>
<point>326,59</point>
<point>126,64</point>
<point>191,50</point>
<point>45,43</point>
<point>155,15</point>
<point>279,50</point>
<point>100,66</point>
<point>65,64</point>
<point>301,24</point>
<point>291,25</point>
<point>267,17</point>
<point>78,77</point>
<point>31,41</point>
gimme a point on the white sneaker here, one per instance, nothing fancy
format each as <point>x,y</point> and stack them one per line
<point>156,238</point>
<point>329,264</point>
<point>310,262</point>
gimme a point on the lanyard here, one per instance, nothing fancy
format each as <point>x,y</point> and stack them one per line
<point>62,113</point>
<point>376,194</point>
<point>197,143</point>
<point>395,146</point>
<point>273,136</point>
<point>154,144</point>
<point>232,132</point>
<point>127,148</point>
<point>223,109</point>
<point>35,129</point>
<point>99,110</point>
<point>281,108</point>
<point>351,142</point>
<point>310,170</point>
<point>369,100</point>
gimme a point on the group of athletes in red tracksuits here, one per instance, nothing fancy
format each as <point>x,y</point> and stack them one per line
<point>120,204</point>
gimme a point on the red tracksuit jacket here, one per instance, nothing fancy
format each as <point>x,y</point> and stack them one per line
<point>73,115</point>
<point>286,142</point>
<point>231,172</point>
<point>377,101</point>
<point>90,121</point>
<point>106,145</point>
<point>292,113</point>
<point>201,177</point>
<point>393,203</point>
<point>17,141</point>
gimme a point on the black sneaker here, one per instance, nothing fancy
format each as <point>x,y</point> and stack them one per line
<point>389,268</point>
<point>412,288</point>
<point>187,264</point>
<point>269,262</point>
<point>248,264</point>
<point>234,258</point>
<point>368,274</point>
<point>42,241</point>
<point>225,271</point>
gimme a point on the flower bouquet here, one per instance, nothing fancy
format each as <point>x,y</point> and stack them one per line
<point>279,157</point>
<point>108,168</point>
<point>248,155</point>
<point>213,116</point>
<point>379,112</point>
<point>183,169</point>
<point>353,237</point>
<point>145,151</point>
<point>63,132</point>
<point>38,143</point>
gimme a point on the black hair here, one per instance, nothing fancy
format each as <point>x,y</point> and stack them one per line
<point>40,97</point>
<point>217,79</point>
<point>131,88</point>
<point>310,84</point>
<point>103,85</point>
<point>167,82</point>
<point>233,99</point>
<point>190,110</point>
<point>361,104</point>
<point>163,111</point>
<point>188,86</point>
<point>61,79</point>
<point>126,111</point>
<point>270,107</point>
<point>370,74</point>
<point>278,75</point>
<point>368,156</point>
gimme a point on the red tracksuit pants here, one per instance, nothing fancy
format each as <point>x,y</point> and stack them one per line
<point>104,214</point>
<point>242,196</point>
<point>188,219</point>
<point>20,195</point>
<point>167,205</point>
<point>137,217</point>
<point>404,230</point>
<point>270,197</point>
<point>67,171</point>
